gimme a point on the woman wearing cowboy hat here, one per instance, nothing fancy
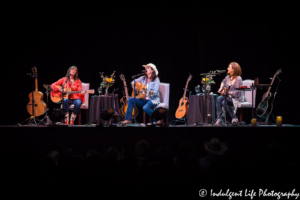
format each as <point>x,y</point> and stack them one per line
<point>152,82</point>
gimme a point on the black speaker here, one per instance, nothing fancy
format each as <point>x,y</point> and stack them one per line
<point>159,113</point>
<point>107,114</point>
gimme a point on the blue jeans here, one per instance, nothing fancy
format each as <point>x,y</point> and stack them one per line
<point>147,107</point>
<point>77,103</point>
<point>221,103</point>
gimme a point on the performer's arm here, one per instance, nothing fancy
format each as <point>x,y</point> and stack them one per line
<point>59,82</point>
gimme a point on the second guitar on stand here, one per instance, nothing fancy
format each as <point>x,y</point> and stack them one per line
<point>183,108</point>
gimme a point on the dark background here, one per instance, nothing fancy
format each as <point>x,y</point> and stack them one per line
<point>179,38</point>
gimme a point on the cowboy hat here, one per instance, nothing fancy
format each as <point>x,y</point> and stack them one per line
<point>152,66</point>
<point>214,146</point>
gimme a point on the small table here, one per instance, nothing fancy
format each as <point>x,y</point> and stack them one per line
<point>98,104</point>
<point>196,109</point>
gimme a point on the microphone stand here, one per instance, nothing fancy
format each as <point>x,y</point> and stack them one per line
<point>134,94</point>
<point>116,114</point>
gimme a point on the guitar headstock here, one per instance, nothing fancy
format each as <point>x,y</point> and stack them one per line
<point>122,77</point>
<point>34,71</point>
<point>190,77</point>
<point>278,72</point>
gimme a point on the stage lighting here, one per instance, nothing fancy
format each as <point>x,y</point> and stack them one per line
<point>160,113</point>
<point>58,115</point>
<point>107,114</point>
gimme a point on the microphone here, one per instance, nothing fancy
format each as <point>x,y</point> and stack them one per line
<point>144,71</point>
<point>221,71</point>
<point>69,75</point>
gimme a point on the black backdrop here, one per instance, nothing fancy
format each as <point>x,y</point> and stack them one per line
<point>179,38</point>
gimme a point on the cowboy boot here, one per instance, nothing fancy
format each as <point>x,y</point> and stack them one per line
<point>67,118</point>
<point>73,116</point>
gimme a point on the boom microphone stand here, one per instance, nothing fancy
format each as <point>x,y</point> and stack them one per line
<point>134,94</point>
<point>116,114</point>
<point>211,74</point>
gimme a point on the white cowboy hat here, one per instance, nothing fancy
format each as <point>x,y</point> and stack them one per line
<point>153,67</point>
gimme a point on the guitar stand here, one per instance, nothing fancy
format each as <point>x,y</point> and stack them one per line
<point>46,117</point>
<point>31,121</point>
<point>179,120</point>
<point>267,118</point>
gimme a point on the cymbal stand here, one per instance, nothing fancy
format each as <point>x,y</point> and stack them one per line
<point>46,117</point>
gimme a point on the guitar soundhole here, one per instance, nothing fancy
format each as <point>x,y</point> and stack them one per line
<point>263,105</point>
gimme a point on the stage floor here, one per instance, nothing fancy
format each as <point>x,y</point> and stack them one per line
<point>79,137</point>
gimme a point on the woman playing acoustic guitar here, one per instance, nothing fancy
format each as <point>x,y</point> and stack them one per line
<point>234,97</point>
<point>151,81</point>
<point>73,83</point>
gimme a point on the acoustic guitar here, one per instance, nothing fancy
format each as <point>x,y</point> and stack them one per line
<point>36,105</point>
<point>124,101</point>
<point>265,107</point>
<point>57,97</point>
<point>183,108</point>
<point>141,91</point>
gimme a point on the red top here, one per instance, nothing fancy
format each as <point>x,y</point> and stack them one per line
<point>77,86</point>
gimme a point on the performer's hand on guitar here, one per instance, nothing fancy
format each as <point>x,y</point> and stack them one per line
<point>62,90</point>
<point>224,91</point>
<point>82,92</point>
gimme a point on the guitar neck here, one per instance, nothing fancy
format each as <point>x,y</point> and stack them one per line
<point>36,84</point>
<point>126,91</point>
<point>270,85</point>
<point>184,94</point>
<point>74,92</point>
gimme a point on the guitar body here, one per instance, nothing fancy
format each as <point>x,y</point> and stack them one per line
<point>264,108</point>
<point>57,96</point>
<point>124,101</point>
<point>123,111</point>
<point>40,106</point>
<point>140,90</point>
<point>183,108</point>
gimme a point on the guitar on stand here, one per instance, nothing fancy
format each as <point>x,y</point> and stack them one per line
<point>124,101</point>
<point>36,106</point>
<point>265,107</point>
<point>183,108</point>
